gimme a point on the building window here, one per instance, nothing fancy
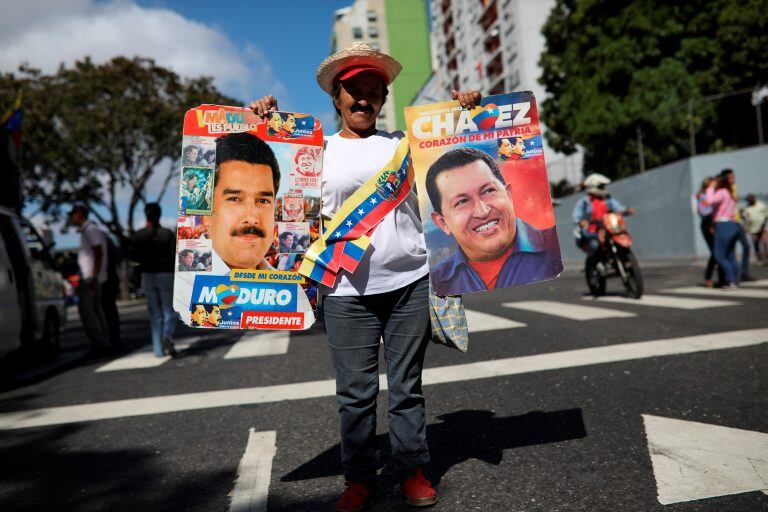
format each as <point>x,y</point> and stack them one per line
<point>375,46</point>
<point>373,32</point>
<point>357,33</point>
<point>371,15</point>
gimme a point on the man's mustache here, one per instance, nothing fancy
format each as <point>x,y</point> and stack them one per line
<point>248,231</point>
<point>361,108</point>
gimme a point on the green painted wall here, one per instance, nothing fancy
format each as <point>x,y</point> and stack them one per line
<point>408,35</point>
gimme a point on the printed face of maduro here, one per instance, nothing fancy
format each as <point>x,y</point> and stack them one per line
<point>241,225</point>
<point>477,210</point>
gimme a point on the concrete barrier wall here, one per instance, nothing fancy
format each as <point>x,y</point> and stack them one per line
<point>666,224</point>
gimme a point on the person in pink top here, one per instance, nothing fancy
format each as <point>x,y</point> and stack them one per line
<point>719,196</point>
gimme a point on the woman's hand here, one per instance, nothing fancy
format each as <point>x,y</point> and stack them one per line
<point>467,99</point>
<point>264,105</point>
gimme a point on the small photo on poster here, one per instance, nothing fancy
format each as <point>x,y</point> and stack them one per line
<point>293,206</point>
<point>197,190</point>
<point>198,152</point>
<point>194,256</point>
<point>511,148</point>
<point>191,227</point>
<point>205,315</point>
<point>292,237</point>
<point>288,125</point>
<point>520,148</point>
<point>306,167</point>
<point>288,261</point>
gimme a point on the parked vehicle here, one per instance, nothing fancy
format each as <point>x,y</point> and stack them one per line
<point>32,296</point>
<point>614,258</point>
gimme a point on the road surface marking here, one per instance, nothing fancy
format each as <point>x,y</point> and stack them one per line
<point>565,310</point>
<point>693,461</point>
<point>665,301</point>
<point>758,283</point>
<point>146,358</point>
<point>254,473</point>
<point>478,322</point>
<point>697,290</point>
<point>327,388</point>
<point>257,344</point>
<point>143,358</point>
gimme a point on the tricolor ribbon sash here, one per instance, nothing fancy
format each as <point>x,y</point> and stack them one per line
<point>347,235</point>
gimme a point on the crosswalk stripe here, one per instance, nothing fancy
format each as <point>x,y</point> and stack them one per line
<point>696,290</point>
<point>758,283</point>
<point>267,343</point>
<point>143,358</point>
<point>254,472</point>
<point>146,358</point>
<point>327,388</point>
<point>665,301</point>
<point>566,310</point>
<point>479,322</point>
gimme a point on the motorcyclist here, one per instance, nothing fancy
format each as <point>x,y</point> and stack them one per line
<point>589,211</point>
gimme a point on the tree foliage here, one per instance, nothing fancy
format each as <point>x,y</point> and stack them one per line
<point>613,67</point>
<point>95,133</point>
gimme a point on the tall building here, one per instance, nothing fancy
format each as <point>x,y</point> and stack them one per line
<point>399,28</point>
<point>493,46</point>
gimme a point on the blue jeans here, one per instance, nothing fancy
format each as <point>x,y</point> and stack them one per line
<point>354,326</point>
<point>158,287</point>
<point>726,236</point>
<point>744,242</point>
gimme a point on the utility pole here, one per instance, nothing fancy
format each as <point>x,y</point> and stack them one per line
<point>640,152</point>
<point>758,112</point>
<point>691,129</point>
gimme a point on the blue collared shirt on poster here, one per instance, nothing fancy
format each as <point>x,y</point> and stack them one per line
<point>535,256</point>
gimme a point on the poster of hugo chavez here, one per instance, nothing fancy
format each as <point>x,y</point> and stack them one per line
<point>249,207</point>
<point>483,193</point>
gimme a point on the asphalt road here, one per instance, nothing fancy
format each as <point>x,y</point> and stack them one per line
<point>566,431</point>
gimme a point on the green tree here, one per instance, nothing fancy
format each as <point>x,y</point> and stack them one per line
<point>613,67</point>
<point>96,133</point>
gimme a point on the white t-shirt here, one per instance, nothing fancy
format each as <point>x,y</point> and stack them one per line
<point>90,236</point>
<point>397,255</point>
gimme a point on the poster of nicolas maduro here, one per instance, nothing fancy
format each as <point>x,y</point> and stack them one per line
<point>484,194</point>
<point>249,206</point>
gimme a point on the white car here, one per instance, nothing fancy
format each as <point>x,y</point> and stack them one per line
<point>32,298</point>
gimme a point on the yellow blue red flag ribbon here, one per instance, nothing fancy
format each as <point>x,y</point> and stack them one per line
<point>346,236</point>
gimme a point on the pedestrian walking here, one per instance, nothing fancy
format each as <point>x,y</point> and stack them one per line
<point>707,226</point>
<point>742,236</point>
<point>91,259</point>
<point>720,196</point>
<point>154,249</point>
<point>755,215</point>
<point>110,290</point>
<point>386,297</point>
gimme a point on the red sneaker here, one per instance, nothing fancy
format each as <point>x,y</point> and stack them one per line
<point>355,497</point>
<point>418,490</point>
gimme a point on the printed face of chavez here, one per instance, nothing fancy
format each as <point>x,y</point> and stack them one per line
<point>477,210</point>
<point>241,225</point>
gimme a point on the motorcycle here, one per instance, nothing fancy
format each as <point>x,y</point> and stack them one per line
<point>614,258</point>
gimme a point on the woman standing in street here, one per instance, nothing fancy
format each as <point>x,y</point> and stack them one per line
<point>705,211</point>
<point>727,231</point>
<point>386,297</point>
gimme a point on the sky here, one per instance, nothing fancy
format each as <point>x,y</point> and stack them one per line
<point>251,48</point>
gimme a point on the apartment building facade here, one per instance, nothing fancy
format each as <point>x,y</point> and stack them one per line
<point>399,28</point>
<point>493,46</point>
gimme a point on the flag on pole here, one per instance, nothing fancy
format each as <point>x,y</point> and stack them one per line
<point>11,120</point>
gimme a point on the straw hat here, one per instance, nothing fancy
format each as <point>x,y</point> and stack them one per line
<point>354,59</point>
